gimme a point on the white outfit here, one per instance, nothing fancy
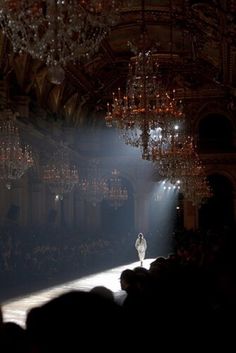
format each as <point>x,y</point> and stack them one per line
<point>141,246</point>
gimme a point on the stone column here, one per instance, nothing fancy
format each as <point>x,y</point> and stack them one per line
<point>141,213</point>
<point>51,208</point>
<point>5,202</point>
<point>23,200</point>
<point>68,208</point>
<point>93,217</point>
<point>37,204</point>
<point>190,216</point>
<point>13,205</point>
<point>78,211</point>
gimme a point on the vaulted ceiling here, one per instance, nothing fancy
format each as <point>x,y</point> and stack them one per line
<point>195,43</point>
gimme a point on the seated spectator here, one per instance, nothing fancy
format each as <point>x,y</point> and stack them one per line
<point>75,319</point>
<point>103,291</point>
<point>13,338</point>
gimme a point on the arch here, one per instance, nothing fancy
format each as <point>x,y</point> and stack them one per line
<point>212,170</point>
<point>215,133</point>
<point>213,107</point>
<point>218,211</point>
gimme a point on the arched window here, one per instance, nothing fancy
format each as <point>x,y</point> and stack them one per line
<point>215,134</point>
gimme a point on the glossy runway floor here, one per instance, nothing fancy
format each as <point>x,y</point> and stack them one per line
<point>17,309</point>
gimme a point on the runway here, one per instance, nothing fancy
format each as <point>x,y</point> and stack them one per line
<point>17,309</point>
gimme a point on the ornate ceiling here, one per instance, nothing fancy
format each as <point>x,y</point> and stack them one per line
<point>195,43</point>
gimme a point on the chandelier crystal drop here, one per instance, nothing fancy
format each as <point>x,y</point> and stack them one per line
<point>59,175</point>
<point>57,31</point>
<point>15,159</point>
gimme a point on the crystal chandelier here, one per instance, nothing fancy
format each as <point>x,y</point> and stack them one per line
<point>196,189</point>
<point>181,165</point>
<point>147,111</point>
<point>14,159</point>
<point>59,175</point>
<point>93,186</point>
<point>57,31</point>
<point>116,193</point>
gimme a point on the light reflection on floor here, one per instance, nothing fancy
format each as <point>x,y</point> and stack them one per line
<point>16,310</point>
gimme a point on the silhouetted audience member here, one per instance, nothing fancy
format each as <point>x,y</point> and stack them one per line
<point>13,338</point>
<point>134,303</point>
<point>76,321</point>
<point>104,292</point>
<point>142,280</point>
